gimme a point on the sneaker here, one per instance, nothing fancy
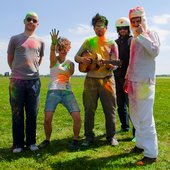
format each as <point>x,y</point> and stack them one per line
<point>114,142</point>
<point>33,147</point>
<point>134,139</point>
<point>17,150</point>
<point>146,160</point>
<point>136,150</point>
<point>86,144</point>
<point>44,144</point>
<point>74,145</point>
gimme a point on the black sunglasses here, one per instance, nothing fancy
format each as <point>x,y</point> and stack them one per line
<point>122,28</point>
<point>31,19</point>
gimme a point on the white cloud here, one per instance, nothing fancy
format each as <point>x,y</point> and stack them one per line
<point>81,29</point>
<point>163,34</point>
<point>162,19</point>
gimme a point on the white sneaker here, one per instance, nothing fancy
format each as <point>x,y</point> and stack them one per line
<point>17,150</point>
<point>33,147</point>
<point>114,142</point>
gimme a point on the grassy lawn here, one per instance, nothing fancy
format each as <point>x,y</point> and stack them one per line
<point>101,156</point>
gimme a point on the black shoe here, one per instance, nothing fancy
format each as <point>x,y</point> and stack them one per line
<point>74,145</point>
<point>86,144</point>
<point>146,160</point>
<point>44,144</point>
<point>136,150</point>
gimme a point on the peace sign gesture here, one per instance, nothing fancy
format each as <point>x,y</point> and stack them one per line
<point>54,36</point>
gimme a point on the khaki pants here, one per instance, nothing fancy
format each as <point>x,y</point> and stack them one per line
<point>103,88</point>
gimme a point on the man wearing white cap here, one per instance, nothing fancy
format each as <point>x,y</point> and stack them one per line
<point>123,41</point>
<point>140,82</point>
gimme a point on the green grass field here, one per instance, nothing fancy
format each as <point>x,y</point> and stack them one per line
<point>102,156</point>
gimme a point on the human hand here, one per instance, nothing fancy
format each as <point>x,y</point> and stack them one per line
<point>125,86</point>
<point>54,36</point>
<point>86,60</point>
<point>139,29</point>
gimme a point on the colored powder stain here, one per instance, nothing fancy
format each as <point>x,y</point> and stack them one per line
<point>108,87</point>
<point>13,94</point>
<point>63,78</point>
<point>56,65</point>
<point>93,43</point>
<point>143,91</point>
<point>65,66</point>
<point>12,91</point>
<point>67,91</point>
<point>30,44</point>
<point>133,50</point>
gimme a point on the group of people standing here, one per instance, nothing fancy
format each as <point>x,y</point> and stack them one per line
<point>131,85</point>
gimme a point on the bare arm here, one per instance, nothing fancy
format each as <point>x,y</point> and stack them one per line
<point>54,40</point>
<point>10,60</point>
<point>114,56</point>
<point>71,68</point>
<point>53,58</point>
<point>40,61</point>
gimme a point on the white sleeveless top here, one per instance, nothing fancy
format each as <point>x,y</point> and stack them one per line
<point>60,76</point>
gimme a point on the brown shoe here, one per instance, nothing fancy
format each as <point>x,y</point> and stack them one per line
<point>136,150</point>
<point>146,160</point>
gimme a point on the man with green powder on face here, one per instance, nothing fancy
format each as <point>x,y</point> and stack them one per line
<point>25,52</point>
<point>99,82</point>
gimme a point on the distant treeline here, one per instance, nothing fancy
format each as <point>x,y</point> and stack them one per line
<point>6,75</point>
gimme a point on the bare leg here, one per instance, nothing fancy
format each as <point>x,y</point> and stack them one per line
<point>76,124</point>
<point>48,124</point>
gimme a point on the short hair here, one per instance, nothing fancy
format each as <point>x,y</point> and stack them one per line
<point>63,43</point>
<point>31,13</point>
<point>100,18</point>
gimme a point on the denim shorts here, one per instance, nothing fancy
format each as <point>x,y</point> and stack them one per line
<point>66,98</point>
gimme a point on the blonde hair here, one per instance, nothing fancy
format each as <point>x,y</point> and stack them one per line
<point>63,43</point>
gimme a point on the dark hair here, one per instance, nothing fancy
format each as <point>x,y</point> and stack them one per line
<point>100,18</point>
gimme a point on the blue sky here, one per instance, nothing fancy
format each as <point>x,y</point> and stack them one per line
<point>73,19</point>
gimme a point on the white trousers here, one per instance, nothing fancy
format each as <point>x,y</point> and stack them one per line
<point>141,100</point>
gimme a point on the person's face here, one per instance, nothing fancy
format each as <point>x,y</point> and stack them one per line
<point>100,28</point>
<point>63,52</point>
<point>31,22</point>
<point>123,31</point>
<point>135,22</point>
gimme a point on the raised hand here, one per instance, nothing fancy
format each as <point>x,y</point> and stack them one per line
<point>54,36</point>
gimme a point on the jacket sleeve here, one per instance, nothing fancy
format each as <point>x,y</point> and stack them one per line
<point>150,41</point>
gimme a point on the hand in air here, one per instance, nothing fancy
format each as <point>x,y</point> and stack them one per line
<point>54,36</point>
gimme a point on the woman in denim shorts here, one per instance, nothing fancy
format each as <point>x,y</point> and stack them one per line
<point>59,89</point>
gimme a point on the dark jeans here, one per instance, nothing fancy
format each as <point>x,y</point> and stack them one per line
<point>122,103</point>
<point>103,89</point>
<point>24,95</point>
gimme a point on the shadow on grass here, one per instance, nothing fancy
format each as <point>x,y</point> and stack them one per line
<point>6,154</point>
<point>61,145</point>
<point>54,148</point>
<point>87,162</point>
